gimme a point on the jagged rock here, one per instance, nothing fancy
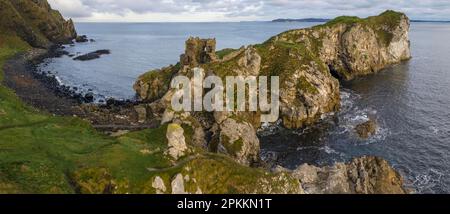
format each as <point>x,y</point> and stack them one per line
<point>89,97</point>
<point>251,62</point>
<point>367,129</point>
<point>35,22</point>
<point>239,140</point>
<point>306,173</point>
<point>306,95</point>
<point>159,185</point>
<point>153,85</point>
<point>176,141</point>
<point>366,175</point>
<point>167,116</point>
<point>221,116</point>
<point>81,39</point>
<point>178,185</point>
<point>93,55</point>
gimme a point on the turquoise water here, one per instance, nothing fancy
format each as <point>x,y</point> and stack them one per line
<point>410,101</point>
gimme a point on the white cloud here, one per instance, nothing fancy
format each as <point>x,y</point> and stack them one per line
<point>71,8</point>
<point>238,10</point>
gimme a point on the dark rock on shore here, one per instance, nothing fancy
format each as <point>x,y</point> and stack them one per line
<point>81,39</point>
<point>92,55</point>
<point>60,53</point>
<point>89,97</point>
<point>367,129</point>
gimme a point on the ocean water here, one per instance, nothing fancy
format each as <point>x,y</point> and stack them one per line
<point>410,101</point>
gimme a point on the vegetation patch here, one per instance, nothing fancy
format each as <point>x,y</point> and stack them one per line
<point>224,52</point>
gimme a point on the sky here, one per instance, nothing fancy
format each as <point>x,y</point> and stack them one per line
<point>241,10</point>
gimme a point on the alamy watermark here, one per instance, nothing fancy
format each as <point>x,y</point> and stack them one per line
<point>232,96</point>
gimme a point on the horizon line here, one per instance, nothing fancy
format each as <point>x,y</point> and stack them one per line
<point>274,20</point>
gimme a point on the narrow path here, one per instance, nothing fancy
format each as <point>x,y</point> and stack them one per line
<point>125,127</point>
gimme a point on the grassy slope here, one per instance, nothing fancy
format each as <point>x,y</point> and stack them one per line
<point>41,153</point>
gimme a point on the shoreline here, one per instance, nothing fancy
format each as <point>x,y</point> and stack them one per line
<point>44,93</point>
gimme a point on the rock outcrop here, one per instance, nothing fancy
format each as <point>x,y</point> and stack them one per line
<point>35,22</point>
<point>176,141</point>
<point>307,62</point>
<point>159,185</point>
<point>351,46</point>
<point>239,140</point>
<point>92,55</point>
<point>81,39</point>
<point>366,175</point>
<point>367,129</point>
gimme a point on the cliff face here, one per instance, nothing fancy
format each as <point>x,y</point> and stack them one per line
<point>351,46</point>
<point>35,22</point>
<point>307,62</point>
<point>366,175</point>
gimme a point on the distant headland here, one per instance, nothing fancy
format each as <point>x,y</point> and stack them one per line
<point>327,20</point>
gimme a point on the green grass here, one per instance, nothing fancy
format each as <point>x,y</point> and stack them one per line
<point>9,46</point>
<point>224,52</point>
<point>343,20</point>
<point>379,24</point>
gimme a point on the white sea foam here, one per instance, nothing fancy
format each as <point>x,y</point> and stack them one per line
<point>426,182</point>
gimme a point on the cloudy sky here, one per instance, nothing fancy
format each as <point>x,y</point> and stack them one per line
<point>241,10</point>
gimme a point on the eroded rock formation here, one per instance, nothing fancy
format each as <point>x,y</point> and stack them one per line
<point>351,46</point>
<point>366,175</point>
<point>309,63</point>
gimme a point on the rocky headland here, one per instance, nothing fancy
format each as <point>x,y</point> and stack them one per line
<point>185,152</point>
<point>310,62</point>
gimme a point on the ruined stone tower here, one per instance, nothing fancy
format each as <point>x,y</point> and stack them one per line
<point>199,51</point>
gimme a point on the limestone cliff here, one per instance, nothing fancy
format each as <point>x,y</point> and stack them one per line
<point>35,22</point>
